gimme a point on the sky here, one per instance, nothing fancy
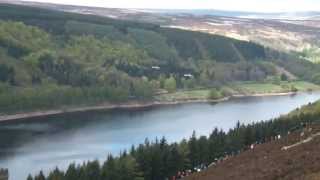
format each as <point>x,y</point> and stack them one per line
<point>232,5</point>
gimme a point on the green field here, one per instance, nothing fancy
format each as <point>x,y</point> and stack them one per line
<point>259,88</point>
<point>240,88</point>
<point>249,88</point>
<point>184,95</point>
<point>305,86</point>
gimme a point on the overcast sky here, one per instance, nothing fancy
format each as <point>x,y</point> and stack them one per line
<point>239,5</point>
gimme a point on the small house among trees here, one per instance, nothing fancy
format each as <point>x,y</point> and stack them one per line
<point>155,67</point>
<point>188,75</point>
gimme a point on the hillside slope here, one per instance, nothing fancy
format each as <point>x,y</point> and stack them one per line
<point>270,160</point>
<point>51,58</point>
<point>286,31</point>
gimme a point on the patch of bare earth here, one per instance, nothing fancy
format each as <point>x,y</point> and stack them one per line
<point>270,161</point>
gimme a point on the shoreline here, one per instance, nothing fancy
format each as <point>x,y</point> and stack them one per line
<point>126,105</point>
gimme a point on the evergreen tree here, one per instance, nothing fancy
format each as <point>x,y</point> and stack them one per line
<point>56,175</point>
<point>40,176</point>
<point>92,170</point>
<point>175,162</point>
<point>194,150</point>
<point>203,147</point>
<point>109,169</point>
<point>29,177</point>
<point>72,172</point>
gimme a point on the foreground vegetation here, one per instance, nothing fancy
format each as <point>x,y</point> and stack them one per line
<point>51,59</point>
<point>159,160</point>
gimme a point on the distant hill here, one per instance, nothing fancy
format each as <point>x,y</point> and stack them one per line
<point>304,15</point>
<point>237,14</point>
<point>297,31</point>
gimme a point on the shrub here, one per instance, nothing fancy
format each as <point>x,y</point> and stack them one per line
<point>214,94</point>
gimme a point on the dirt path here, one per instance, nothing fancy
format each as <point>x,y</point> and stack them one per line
<point>301,142</point>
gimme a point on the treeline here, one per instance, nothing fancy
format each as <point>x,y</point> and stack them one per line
<point>44,97</point>
<point>159,160</point>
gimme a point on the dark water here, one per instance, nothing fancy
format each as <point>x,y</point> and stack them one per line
<point>43,143</point>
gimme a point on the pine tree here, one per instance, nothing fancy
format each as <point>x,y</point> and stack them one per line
<point>29,177</point>
<point>203,147</point>
<point>109,169</point>
<point>92,170</point>
<point>175,161</point>
<point>40,176</point>
<point>72,172</point>
<point>194,151</point>
<point>56,175</point>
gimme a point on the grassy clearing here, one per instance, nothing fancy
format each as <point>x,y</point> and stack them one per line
<point>184,95</point>
<point>283,86</point>
<point>244,88</point>
<point>305,86</point>
<point>257,88</point>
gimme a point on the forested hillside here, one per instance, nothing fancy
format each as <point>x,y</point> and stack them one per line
<point>50,58</point>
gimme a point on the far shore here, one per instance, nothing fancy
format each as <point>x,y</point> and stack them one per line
<point>125,105</point>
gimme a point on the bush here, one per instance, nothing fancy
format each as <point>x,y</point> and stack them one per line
<point>226,92</point>
<point>170,84</point>
<point>214,94</point>
<point>293,88</point>
<point>284,77</point>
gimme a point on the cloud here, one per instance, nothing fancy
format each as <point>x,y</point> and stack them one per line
<point>239,5</point>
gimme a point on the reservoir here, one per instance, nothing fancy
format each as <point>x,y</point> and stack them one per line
<point>28,146</point>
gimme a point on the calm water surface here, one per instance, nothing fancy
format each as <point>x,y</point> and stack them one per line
<point>44,143</point>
